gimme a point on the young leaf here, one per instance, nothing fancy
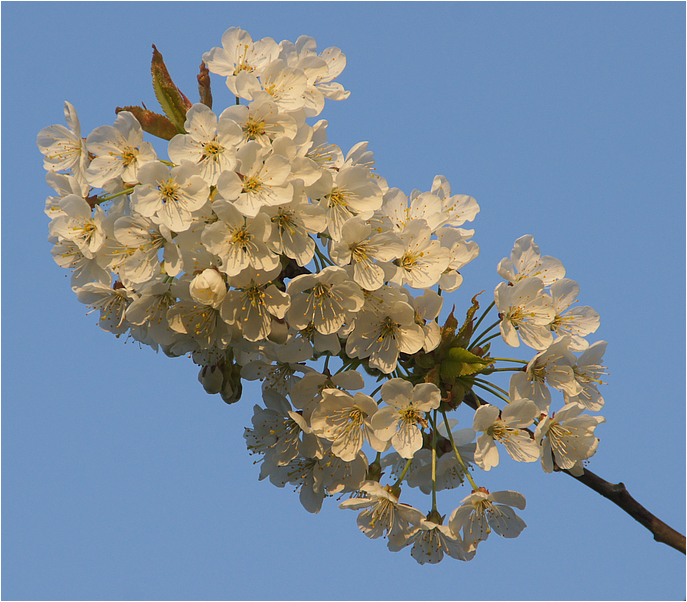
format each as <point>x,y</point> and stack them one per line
<point>153,123</point>
<point>173,102</point>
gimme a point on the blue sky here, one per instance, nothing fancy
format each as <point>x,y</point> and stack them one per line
<point>122,479</point>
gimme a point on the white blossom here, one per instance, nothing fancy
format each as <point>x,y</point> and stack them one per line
<point>588,371</point>
<point>506,427</point>
<point>567,437</point>
<point>254,303</point>
<point>481,512</point>
<point>524,310</point>
<point>326,300</point>
<point>63,147</point>
<point>360,248</point>
<point>526,262</point>
<point>119,151</point>
<point>431,541</point>
<point>209,143</point>
<point>384,334</point>
<point>399,420</point>
<point>344,420</point>
<point>170,197</point>
<point>240,56</point>
<point>382,514</point>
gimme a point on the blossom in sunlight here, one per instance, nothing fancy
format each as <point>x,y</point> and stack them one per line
<point>256,247</point>
<point>344,420</point>
<point>403,416</point>
<point>526,262</point>
<point>63,147</point>
<point>525,311</point>
<point>382,514</point>
<point>119,151</point>
<point>482,512</point>
<point>567,437</point>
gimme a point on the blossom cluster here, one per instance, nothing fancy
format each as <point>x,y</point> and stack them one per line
<point>257,248</point>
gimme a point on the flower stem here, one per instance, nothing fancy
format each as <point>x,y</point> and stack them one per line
<point>493,336</point>
<point>486,382</point>
<point>484,315</point>
<point>403,474</point>
<point>455,451</point>
<point>479,337</point>
<point>325,260</point>
<point>433,420</point>
<point>483,385</point>
<point>109,197</point>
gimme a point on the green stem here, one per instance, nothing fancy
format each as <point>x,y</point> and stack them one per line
<point>434,461</point>
<point>484,315</point>
<point>479,337</point>
<point>455,451</point>
<point>324,259</point>
<point>489,390</point>
<point>507,359</point>
<point>493,336</point>
<point>481,380</point>
<point>376,391</point>
<point>353,365</point>
<point>109,197</point>
<point>403,474</point>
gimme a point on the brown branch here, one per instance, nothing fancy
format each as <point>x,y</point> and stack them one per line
<point>618,494</point>
<point>620,497</point>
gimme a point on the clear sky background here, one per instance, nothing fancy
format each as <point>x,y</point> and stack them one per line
<point>122,479</point>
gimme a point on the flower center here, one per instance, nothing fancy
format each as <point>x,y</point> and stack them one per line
<point>557,434</point>
<point>129,156</point>
<point>212,151</point>
<point>285,221</point>
<point>337,198</point>
<point>388,329</point>
<point>409,260</point>
<point>255,295</point>
<point>361,252</point>
<point>169,191</point>
<point>411,415</point>
<point>253,129</point>
<point>252,184</point>
<point>241,238</point>
<point>325,155</point>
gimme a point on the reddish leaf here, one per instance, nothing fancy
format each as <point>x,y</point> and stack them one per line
<point>153,123</point>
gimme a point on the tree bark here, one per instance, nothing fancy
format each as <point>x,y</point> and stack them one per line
<point>620,496</point>
<point>617,494</point>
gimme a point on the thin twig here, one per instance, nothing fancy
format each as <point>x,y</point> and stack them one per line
<point>619,495</point>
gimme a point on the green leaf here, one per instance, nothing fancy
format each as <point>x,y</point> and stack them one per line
<point>461,362</point>
<point>153,123</point>
<point>173,102</point>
